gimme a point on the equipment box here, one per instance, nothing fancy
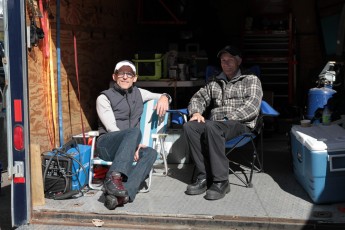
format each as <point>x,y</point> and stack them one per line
<point>148,68</point>
<point>318,154</point>
<point>65,171</point>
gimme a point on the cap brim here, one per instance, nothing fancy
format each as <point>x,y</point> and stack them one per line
<point>125,63</point>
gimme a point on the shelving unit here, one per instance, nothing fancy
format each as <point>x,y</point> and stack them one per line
<point>273,51</point>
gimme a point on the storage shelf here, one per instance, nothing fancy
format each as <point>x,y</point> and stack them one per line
<point>273,51</point>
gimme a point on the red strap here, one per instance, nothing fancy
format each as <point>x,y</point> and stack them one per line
<point>44,22</point>
<point>77,75</point>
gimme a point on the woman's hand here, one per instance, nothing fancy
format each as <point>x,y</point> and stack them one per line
<point>136,154</point>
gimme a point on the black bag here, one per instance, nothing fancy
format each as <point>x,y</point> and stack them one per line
<point>36,34</point>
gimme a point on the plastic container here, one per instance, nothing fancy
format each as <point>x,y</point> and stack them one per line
<point>318,155</point>
<point>148,69</point>
<point>305,123</point>
<point>326,116</point>
<point>317,98</point>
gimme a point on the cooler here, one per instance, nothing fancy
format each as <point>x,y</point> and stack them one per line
<point>318,154</point>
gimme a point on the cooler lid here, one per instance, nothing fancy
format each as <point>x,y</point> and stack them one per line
<point>320,137</point>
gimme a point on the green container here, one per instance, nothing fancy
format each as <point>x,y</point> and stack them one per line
<point>149,69</point>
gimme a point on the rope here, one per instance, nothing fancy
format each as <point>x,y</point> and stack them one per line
<point>46,70</point>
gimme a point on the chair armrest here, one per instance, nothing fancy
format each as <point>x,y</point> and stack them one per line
<point>267,110</point>
<point>93,133</point>
<point>178,116</point>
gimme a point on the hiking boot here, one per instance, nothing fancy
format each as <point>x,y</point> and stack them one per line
<point>113,185</point>
<point>122,200</point>
<point>110,202</point>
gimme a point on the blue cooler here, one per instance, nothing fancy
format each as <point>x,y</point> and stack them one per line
<point>318,154</point>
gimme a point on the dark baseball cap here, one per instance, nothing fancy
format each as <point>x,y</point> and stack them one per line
<point>234,51</point>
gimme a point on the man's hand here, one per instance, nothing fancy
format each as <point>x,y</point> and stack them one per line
<point>162,105</point>
<point>136,154</point>
<point>197,117</point>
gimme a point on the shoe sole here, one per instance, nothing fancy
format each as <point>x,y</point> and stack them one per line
<point>196,192</point>
<point>217,196</point>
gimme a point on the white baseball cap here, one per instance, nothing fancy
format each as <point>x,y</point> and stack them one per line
<point>125,63</point>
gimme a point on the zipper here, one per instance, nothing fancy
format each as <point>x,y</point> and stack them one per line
<point>129,106</point>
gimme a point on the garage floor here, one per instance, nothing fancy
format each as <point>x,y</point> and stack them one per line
<point>276,201</point>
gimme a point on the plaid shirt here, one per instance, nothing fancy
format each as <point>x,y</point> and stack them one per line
<point>238,99</point>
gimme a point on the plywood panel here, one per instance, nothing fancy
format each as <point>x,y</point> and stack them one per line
<point>104,34</point>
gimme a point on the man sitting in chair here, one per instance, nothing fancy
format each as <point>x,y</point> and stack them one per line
<point>233,100</point>
<point>119,110</point>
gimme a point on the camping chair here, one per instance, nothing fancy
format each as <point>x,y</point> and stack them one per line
<point>242,140</point>
<point>153,135</point>
<point>251,137</point>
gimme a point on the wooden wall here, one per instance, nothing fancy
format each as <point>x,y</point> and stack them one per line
<point>104,34</point>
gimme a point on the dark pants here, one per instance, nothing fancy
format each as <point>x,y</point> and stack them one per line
<point>207,146</point>
<point>119,147</point>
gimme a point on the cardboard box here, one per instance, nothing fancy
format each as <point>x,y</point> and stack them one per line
<point>318,154</point>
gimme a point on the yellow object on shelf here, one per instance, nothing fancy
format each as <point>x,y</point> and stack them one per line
<point>149,69</point>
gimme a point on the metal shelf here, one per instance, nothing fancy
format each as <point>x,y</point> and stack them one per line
<point>273,51</point>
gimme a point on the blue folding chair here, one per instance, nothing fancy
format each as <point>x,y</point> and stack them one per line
<point>180,116</point>
<point>251,137</point>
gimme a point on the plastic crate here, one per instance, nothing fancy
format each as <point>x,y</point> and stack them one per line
<point>149,69</point>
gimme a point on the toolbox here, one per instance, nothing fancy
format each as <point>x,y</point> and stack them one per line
<point>318,154</point>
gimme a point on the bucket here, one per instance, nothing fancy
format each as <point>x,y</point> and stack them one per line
<point>317,98</point>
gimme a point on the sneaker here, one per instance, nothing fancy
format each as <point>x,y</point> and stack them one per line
<point>217,190</point>
<point>198,187</point>
<point>113,185</point>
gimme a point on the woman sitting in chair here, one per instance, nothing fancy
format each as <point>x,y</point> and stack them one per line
<point>233,99</point>
<point>119,110</point>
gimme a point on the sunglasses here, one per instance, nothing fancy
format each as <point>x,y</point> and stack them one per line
<point>128,74</point>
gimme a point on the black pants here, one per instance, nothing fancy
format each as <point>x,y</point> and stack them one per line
<point>207,146</point>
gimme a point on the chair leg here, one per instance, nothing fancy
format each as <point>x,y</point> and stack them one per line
<point>252,167</point>
<point>148,183</point>
<point>162,152</point>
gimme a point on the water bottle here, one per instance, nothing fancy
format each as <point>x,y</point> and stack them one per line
<point>326,116</point>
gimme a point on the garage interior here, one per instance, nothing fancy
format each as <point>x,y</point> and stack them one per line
<point>94,35</point>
